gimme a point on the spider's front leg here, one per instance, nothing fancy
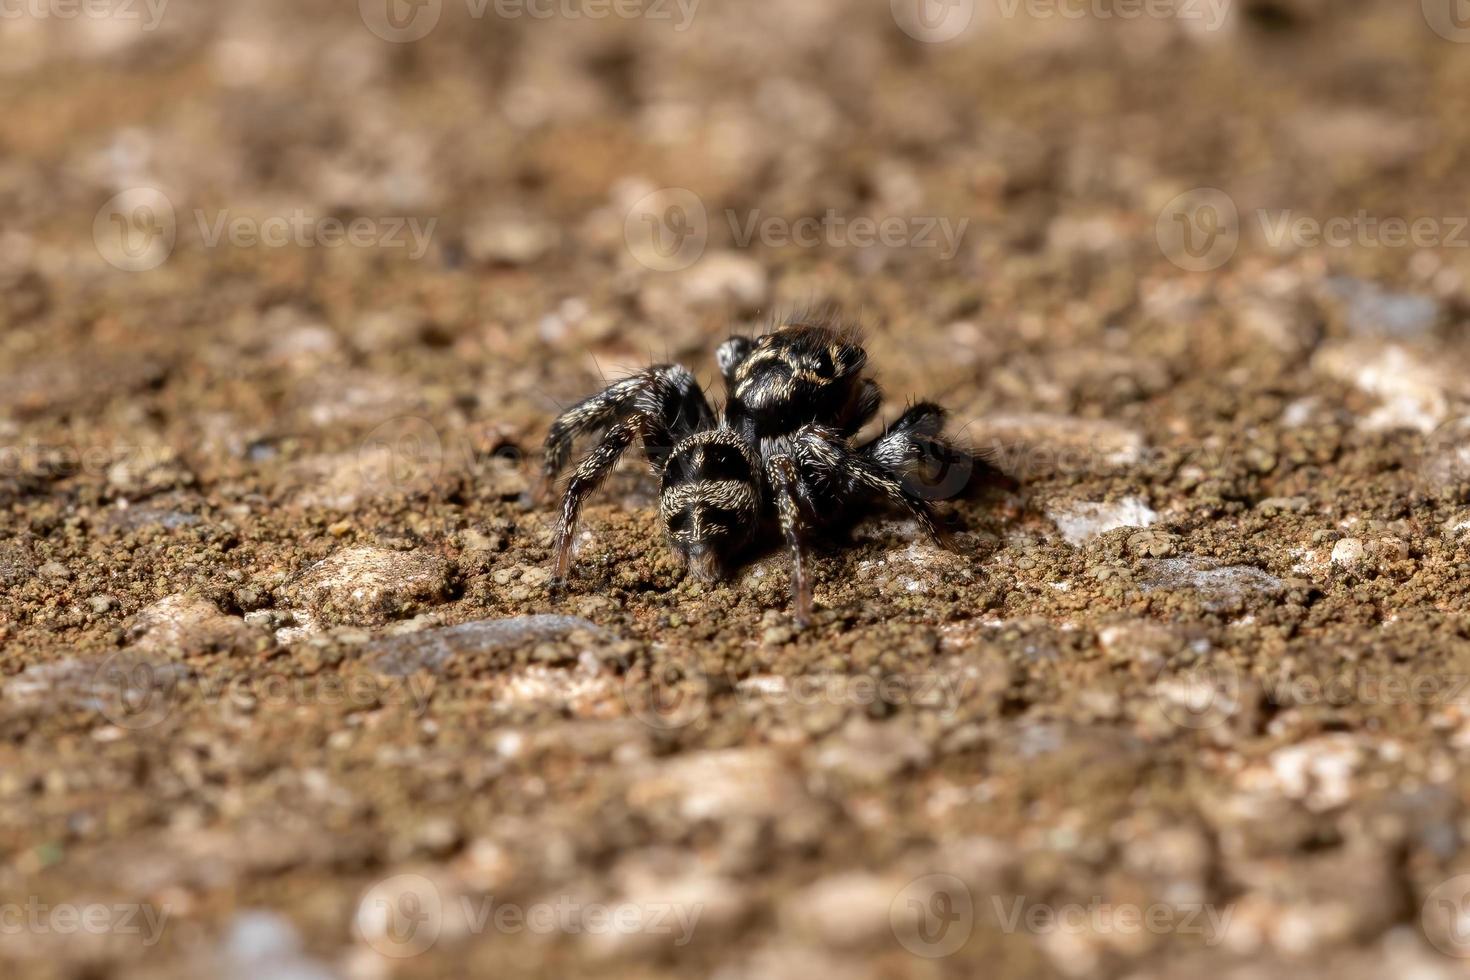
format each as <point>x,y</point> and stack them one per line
<point>785,480</point>
<point>668,392</point>
<point>593,469</point>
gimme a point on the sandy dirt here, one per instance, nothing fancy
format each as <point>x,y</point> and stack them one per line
<point>284,691</point>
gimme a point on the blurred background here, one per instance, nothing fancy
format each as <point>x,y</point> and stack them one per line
<point>294,282</point>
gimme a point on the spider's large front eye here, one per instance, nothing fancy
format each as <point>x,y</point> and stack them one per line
<point>822,365</point>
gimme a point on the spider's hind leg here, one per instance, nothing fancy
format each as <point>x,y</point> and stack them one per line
<point>823,452</point>
<point>915,448</point>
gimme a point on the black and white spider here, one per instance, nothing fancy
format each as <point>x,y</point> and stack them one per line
<point>780,451</point>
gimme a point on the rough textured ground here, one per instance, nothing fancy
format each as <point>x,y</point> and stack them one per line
<point>264,510</point>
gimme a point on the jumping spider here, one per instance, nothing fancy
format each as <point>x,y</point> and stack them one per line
<point>780,450</point>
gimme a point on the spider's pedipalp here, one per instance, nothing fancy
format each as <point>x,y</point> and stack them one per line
<point>729,356</point>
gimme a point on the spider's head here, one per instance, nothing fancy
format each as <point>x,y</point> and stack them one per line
<point>796,370</point>
<point>708,500</point>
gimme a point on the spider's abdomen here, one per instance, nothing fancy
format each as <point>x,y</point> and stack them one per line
<point>709,499</point>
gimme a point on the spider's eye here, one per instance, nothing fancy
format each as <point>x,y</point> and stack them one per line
<point>823,365</point>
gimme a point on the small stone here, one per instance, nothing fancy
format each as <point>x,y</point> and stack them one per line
<point>777,635</point>
<point>339,529</point>
<point>1278,505</point>
<point>182,624</point>
<point>1220,589</point>
<point>1347,552</point>
<point>55,569</point>
<point>478,642</point>
<point>1151,544</point>
<point>1081,522</point>
<point>368,586</point>
<point>100,603</point>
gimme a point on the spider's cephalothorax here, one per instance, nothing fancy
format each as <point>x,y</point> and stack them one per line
<point>800,374</point>
<point>780,452</point>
